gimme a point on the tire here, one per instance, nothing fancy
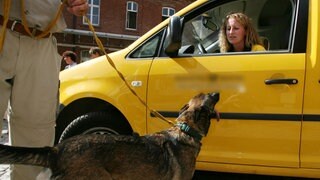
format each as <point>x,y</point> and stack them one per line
<point>96,123</point>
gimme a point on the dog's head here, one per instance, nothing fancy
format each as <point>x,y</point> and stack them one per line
<point>196,115</point>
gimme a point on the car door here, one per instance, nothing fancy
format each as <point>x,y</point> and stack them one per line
<point>310,148</point>
<point>261,93</point>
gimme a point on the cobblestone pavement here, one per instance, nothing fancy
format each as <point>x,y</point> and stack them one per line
<point>4,169</point>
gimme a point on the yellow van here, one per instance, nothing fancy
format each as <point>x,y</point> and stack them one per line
<point>269,106</point>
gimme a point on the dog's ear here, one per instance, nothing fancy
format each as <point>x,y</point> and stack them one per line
<point>184,108</point>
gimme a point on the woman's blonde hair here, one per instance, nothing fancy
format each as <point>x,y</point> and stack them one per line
<point>252,37</point>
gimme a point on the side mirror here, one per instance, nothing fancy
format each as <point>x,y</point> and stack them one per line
<point>174,36</point>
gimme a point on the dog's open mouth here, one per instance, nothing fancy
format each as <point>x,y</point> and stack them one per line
<point>195,116</point>
<point>214,97</point>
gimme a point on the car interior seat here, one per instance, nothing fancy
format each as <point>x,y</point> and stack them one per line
<point>275,23</point>
<point>265,41</point>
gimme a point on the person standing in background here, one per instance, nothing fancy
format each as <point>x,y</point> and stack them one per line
<point>70,58</point>
<point>29,71</point>
<point>95,52</point>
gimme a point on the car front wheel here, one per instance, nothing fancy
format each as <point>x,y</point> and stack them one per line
<point>96,123</point>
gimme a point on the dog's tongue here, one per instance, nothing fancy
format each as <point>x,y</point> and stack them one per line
<point>217,115</point>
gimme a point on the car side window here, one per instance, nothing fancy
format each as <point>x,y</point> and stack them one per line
<point>149,48</point>
<point>273,20</point>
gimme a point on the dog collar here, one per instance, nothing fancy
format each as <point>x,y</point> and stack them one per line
<point>184,127</point>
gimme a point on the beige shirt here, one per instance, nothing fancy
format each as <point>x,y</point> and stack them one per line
<point>39,13</point>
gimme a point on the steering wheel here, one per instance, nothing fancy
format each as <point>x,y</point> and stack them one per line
<point>201,49</point>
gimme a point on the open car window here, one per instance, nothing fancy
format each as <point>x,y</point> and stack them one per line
<point>273,20</point>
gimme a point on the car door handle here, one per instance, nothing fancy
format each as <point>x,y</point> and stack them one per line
<point>280,81</point>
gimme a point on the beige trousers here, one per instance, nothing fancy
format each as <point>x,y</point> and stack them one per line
<point>29,78</point>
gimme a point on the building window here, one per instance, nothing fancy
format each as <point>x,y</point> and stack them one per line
<point>167,12</point>
<point>132,11</point>
<point>93,12</point>
<point>84,55</point>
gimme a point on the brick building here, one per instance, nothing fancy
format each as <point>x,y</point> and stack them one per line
<point>117,23</point>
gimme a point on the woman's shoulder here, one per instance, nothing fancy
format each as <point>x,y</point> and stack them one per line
<point>257,47</point>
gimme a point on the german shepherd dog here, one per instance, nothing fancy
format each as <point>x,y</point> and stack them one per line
<point>169,154</point>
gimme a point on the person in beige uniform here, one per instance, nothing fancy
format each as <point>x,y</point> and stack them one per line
<point>29,72</point>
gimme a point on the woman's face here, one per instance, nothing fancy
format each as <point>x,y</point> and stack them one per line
<point>68,59</point>
<point>94,55</point>
<point>235,32</point>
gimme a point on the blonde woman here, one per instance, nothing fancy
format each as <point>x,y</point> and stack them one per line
<point>238,34</point>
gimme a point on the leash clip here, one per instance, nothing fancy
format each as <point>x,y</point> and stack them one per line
<point>14,24</point>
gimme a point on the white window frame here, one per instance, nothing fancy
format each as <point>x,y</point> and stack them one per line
<point>93,4</point>
<point>132,7</point>
<point>167,12</point>
<point>84,55</point>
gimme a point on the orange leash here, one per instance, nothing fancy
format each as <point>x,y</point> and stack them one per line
<point>100,45</point>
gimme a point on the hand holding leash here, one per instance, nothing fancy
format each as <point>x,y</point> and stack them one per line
<point>77,7</point>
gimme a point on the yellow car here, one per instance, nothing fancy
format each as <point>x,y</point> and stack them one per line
<point>269,106</point>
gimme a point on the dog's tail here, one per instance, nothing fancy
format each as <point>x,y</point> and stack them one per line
<point>25,155</point>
